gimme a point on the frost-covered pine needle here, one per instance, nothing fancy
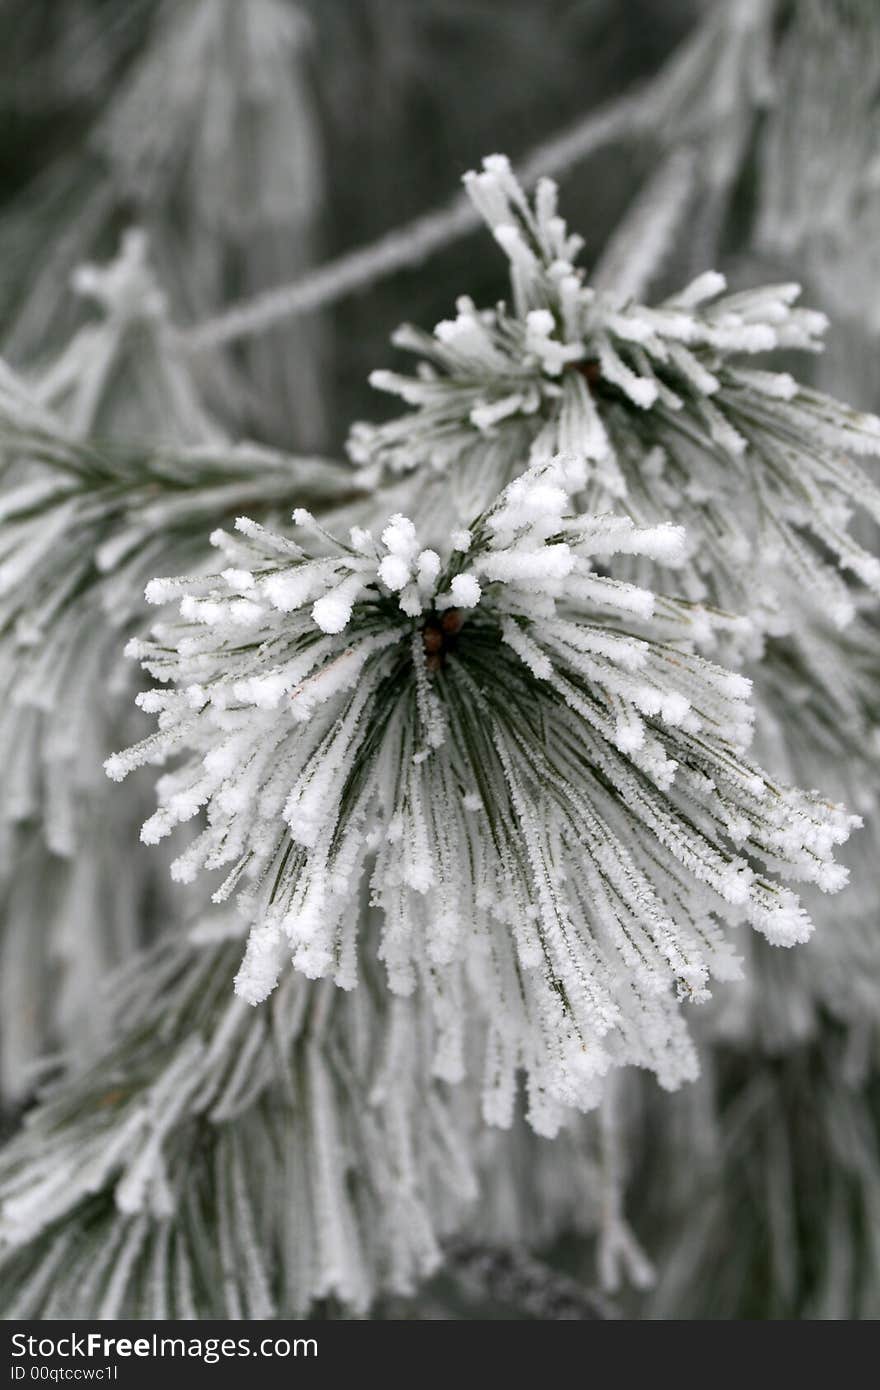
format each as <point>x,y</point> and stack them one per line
<point>310,1139</point>
<point>658,403</point>
<point>545,787</point>
<point>110,470</point>
<point>219,1163</point>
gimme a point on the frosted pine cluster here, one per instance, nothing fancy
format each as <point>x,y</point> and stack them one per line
<point>545,787</point>
<point>657,403</point>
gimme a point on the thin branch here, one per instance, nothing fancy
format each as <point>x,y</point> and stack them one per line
<point>639,248</point>
<point>409,245</point>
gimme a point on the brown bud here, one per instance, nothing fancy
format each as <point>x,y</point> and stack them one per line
<point>452,621</point>
<point>432,639</point>
<point>590,371</point>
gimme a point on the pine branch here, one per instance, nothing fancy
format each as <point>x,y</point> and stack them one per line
<point>209,136</point>
<point>149,1184</point>
<point>476,741</point>
<point>83,531</point>
<point>532,750</point>
<point>792,1192</point>
<point>657,404</point>
<point>148,1181</point>
<point>87,516</point>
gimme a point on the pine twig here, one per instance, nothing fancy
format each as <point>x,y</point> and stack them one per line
<point>412,244</point>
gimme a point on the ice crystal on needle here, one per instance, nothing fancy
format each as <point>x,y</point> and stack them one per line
<point>658,404</point>
<point>546,786</point>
